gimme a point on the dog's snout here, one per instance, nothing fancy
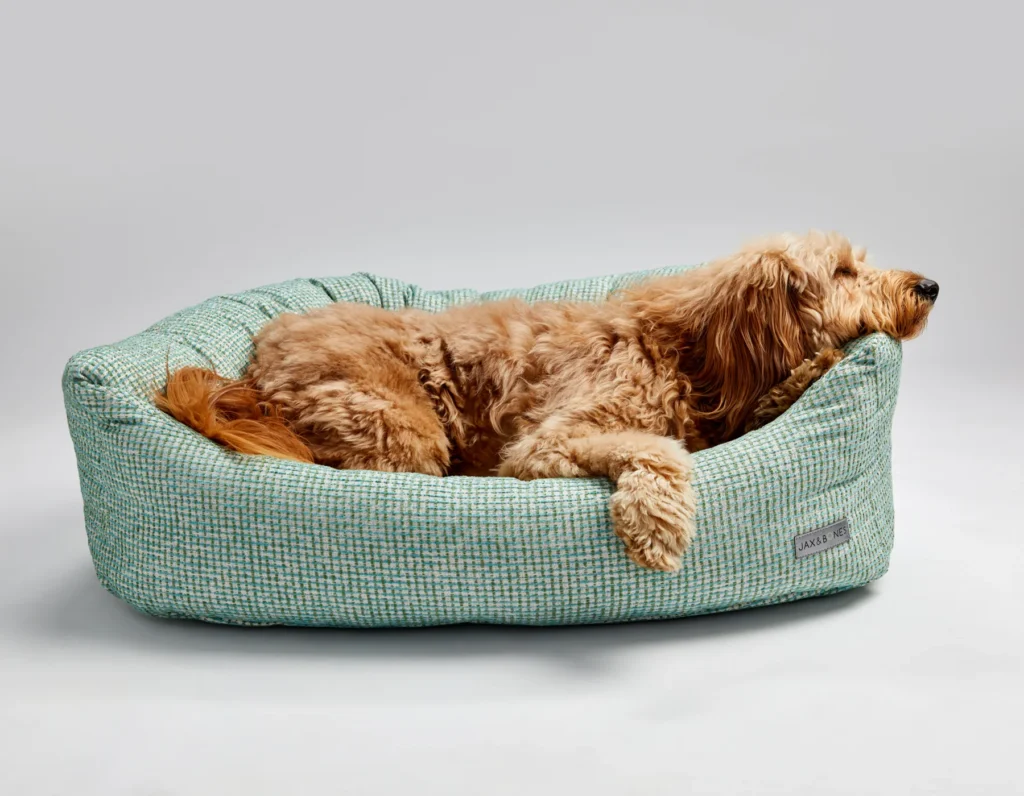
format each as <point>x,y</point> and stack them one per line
<point>928,289</point>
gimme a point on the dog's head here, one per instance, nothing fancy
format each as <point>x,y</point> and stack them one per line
<point>834,295</point>
<point>749,319</point>
<point>781,300</point>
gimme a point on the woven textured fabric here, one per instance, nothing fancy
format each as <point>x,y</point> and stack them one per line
<point>179,527</point>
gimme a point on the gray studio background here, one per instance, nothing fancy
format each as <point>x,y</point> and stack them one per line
<point>152,156</point>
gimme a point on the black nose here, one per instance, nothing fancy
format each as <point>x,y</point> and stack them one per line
<point>928,289</point>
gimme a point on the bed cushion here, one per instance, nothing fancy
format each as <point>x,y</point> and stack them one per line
<point>179,527</point>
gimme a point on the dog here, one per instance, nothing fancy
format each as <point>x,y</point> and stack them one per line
<point>625,388</point>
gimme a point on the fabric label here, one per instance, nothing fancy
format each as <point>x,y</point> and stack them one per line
<point>807,544</point>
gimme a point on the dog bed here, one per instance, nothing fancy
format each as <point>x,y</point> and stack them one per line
<point>180,527</point>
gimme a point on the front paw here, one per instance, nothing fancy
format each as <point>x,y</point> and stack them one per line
<point>654,514</point>
<point>827,358</point>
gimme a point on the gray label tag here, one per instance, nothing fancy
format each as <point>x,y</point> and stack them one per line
<point>807,544</point>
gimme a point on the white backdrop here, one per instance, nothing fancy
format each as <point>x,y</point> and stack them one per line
<point>152,157</point>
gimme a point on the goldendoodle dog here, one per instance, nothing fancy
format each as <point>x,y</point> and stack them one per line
<point>623,389</point>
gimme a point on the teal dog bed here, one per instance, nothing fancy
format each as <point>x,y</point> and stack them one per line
<point>179,527</point>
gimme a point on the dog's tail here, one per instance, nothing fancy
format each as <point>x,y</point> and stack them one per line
<point>232,413</point>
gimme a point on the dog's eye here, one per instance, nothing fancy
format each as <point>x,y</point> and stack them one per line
<point>844,271</point>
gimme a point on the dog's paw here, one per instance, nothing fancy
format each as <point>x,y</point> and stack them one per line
<point>653,513</point>
<point>827,358</point>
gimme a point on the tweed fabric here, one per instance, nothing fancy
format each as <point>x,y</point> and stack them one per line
<point>179,527</point>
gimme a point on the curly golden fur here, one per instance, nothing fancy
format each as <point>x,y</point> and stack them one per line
<point>621,389</point>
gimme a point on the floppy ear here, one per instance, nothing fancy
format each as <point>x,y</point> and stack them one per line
<point>771,269</point>
<point>752,334</point>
